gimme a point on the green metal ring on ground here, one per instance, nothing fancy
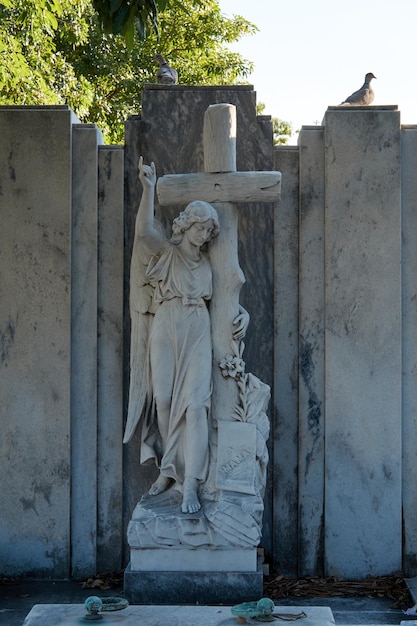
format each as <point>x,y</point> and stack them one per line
<point>114,604</point>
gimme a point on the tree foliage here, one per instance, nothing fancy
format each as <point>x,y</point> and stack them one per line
<point>282,131</point>
<point>54,52</point>
<point>125,17</point>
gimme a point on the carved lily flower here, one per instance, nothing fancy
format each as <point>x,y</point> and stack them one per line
<point>232,366</point>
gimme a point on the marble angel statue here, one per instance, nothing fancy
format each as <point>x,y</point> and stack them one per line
<point>171,352</point>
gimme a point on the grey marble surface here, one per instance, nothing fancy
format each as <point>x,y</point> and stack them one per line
<point>61,326</point>
<point>284,465</point>
<point>110,359</point>
<point>409,340</point>
<point>311,346</point>
<point>69,615</point>
<point>35,331</point>
<point>363,395</point>
<point>84,239</point>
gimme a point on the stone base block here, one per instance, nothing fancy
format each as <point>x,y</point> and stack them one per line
<point>183,560</point>
<point>193,587</point>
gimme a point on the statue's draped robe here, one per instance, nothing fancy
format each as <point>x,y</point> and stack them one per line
<point>180,357</point>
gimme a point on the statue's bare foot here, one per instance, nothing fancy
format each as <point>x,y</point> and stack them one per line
<point>190,501</point>
<point>161,484</point>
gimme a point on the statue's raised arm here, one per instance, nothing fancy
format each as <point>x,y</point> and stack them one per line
<point>145,231</point>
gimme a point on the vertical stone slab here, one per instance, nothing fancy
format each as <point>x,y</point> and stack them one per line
<point>311,351</point>
<point>285,397</point>
<point>110,531</point>
<point>409,344</point>
<point>86,138</point>
<point>35,340</point>
<point>363,341</point>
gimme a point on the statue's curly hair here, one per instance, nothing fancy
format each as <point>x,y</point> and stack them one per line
<point>197,211</point>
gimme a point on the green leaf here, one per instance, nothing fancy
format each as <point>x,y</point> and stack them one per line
<point>162,4</point>
<point>56,7</point>
<point>115,5</point>
<point>181,6</point>
<point>129,35</point>
<point>140,26</point>
<point>121,18</point>
<point>50,19</point>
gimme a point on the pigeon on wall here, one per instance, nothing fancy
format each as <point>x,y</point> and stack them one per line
<point>364,95</point>
<point>166,75</point>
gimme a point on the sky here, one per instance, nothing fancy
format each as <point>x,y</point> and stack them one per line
<point>311,54</point>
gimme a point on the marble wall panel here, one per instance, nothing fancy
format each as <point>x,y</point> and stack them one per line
<point>409,343</point>
<point>363,341</point>
<point>84,241</point>
<point>35,332</point>
<point>311,351</point>
<point>110,531</point>
<point>285,397</point>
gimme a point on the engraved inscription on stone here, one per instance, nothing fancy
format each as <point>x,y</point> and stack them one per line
<point>236,456</point>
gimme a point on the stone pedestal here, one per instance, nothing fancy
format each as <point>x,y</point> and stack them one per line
<point>193,587</point>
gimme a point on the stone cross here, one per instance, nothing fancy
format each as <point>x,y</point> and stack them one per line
<point>222,186</point>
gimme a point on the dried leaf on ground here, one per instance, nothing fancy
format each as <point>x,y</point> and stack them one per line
<point>103,581</point>
<point>392,587</point>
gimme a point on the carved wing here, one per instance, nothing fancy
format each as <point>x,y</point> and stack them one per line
<point>141,315</point>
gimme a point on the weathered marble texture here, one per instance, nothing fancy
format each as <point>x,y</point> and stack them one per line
<point>174,615</point>
<point>409,343</point>
<point>206,560</point>
<point>311,351</point>
<point>299,363</point>
<point>110,359</point>
<point>97,356</point>
<point>284,463</point>
<point>61,321</point>
<point>84,239</point>
<point>35,323</point>
<point>363,504</point>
